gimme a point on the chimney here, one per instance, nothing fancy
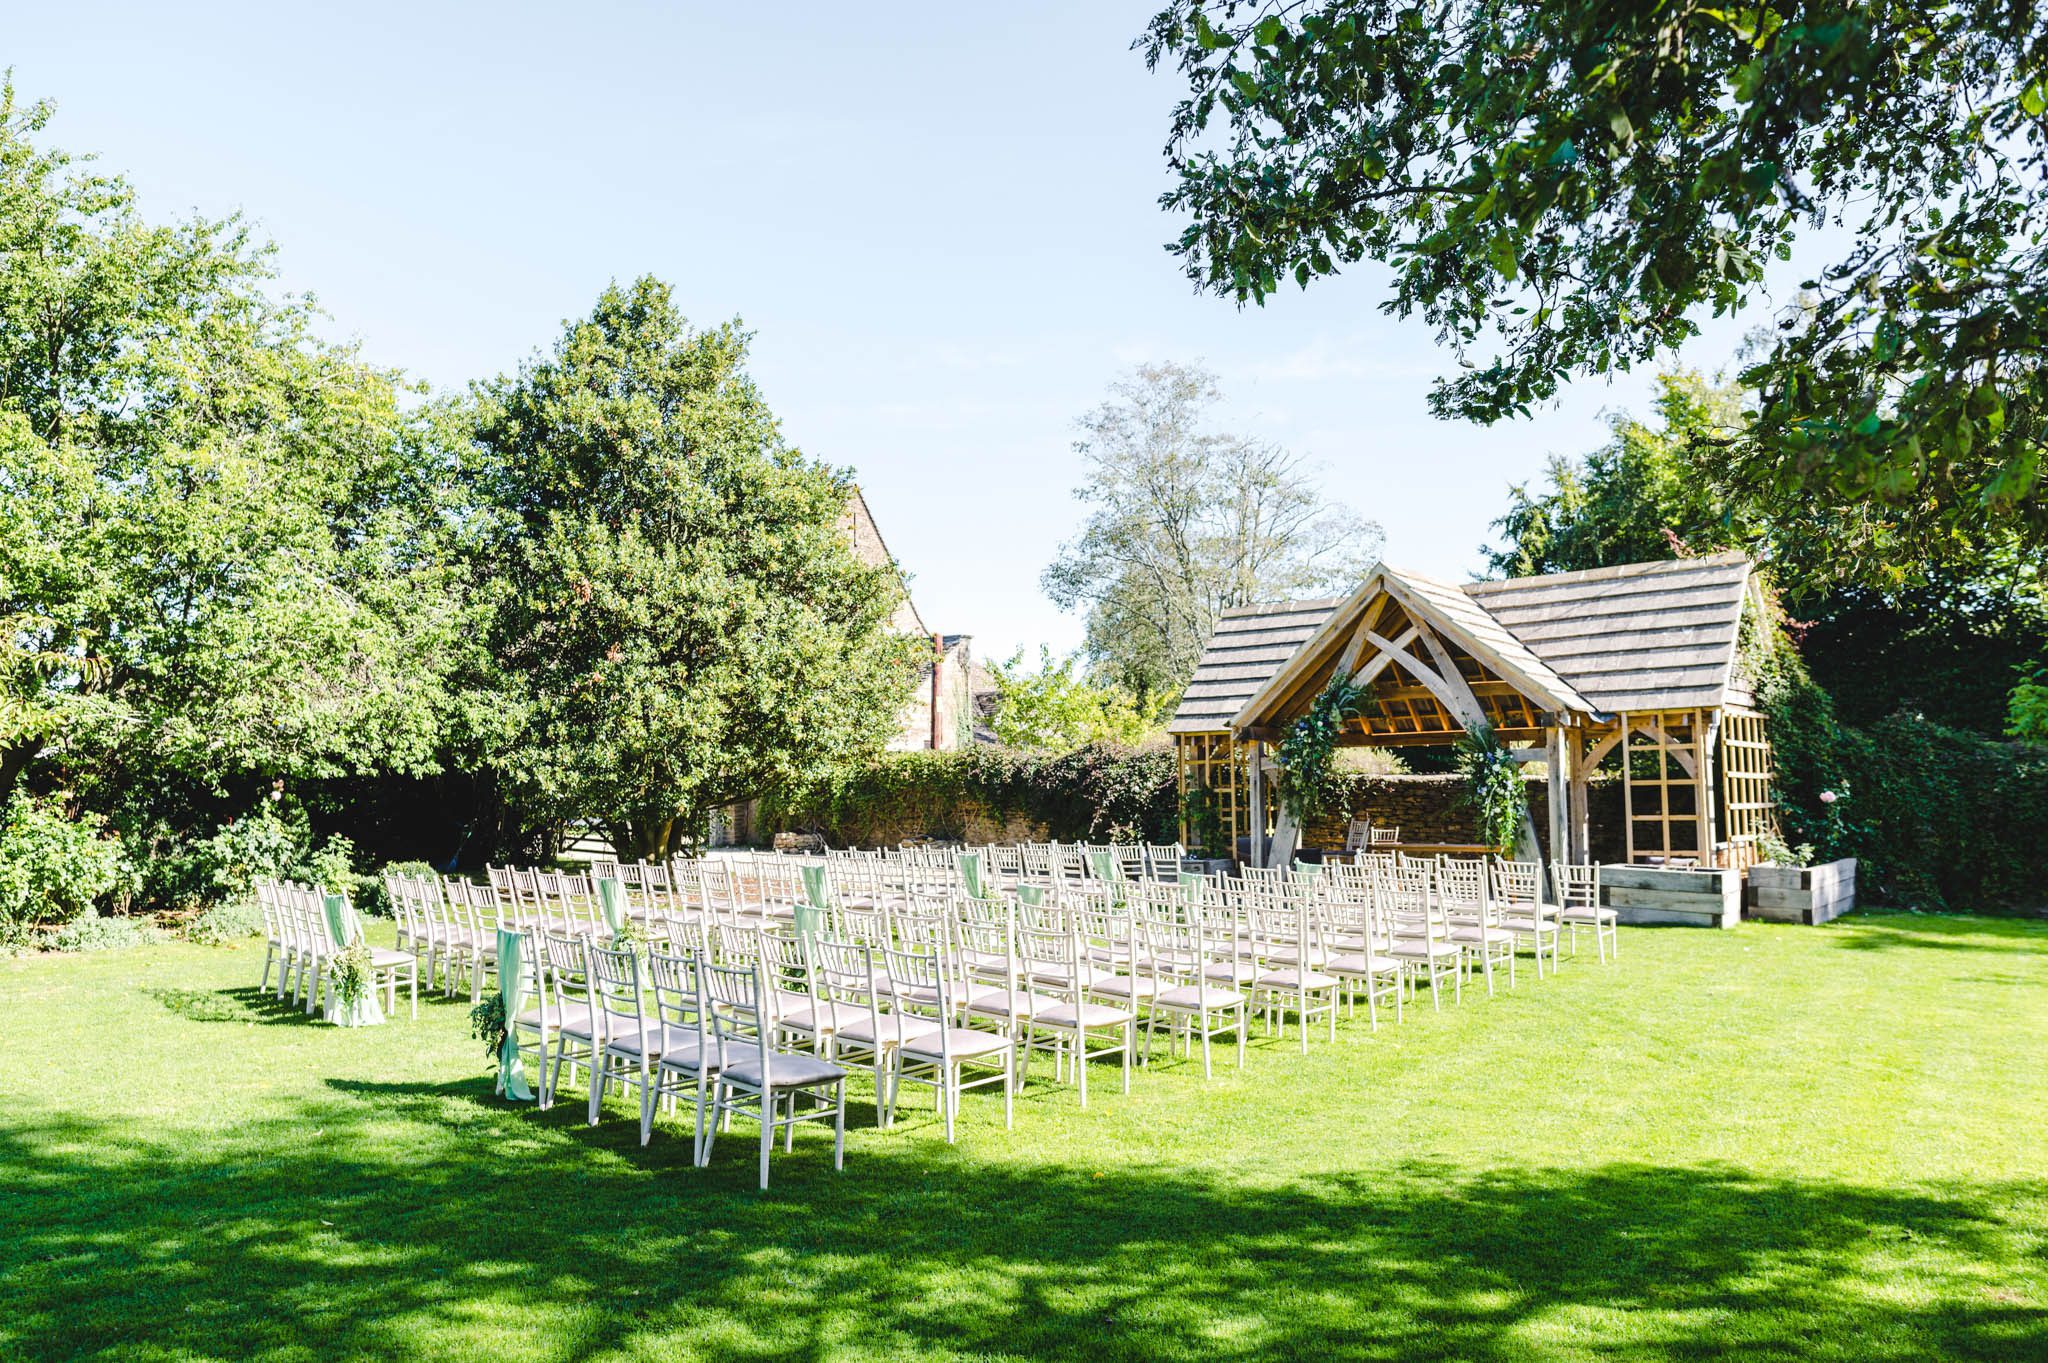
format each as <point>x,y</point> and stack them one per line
<point>938,666</point>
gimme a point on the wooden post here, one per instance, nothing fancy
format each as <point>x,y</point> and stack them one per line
<point>1257,761</point>
<point>1560,796</point>
<point>1581,815</point>
<point>1703,776</point>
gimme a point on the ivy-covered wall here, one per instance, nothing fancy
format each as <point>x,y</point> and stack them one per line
<point>1099,793</point>
<point>1939,818</point>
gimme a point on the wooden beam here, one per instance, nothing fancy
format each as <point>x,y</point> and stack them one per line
<point>1256,758</point>
<point>1463,708</point>
<point>1560,817</point>
<point>1384,658</point>
<point>1460,701</point>
<point>1581,799</point>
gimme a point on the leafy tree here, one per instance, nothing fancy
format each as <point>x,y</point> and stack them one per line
<point>1569,183</point>
<point>1188,522</point>
<point>1882,631</point>
<point>213,560</point>
<point>1638,498</point>
<point>1058,708</point>
<point>677,620</point>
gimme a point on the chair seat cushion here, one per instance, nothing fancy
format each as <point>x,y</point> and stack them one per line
<point>958,1041</point>
<point>1085,1016</point>
<point>894,1027</point>
<point>1292,978</point>
<point>1356,964</point>
<point>786,1070</point>
<point>625,1039</point>
<point>1010,1003</point>
<point>576,1014</point>
<point>383,958</point>
<point>1423,948</point>
<point>1125,986</point>
<point>1193,998</point>
<point>1587,915</point>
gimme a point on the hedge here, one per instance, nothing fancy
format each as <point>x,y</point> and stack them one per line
<point>1942,818</point>
<point>1102,792</point>
<point>1938,818</point>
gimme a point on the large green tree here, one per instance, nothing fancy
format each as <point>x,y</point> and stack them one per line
<point>1563,187</point>
<point>1942,639</point>
<point>678,620</point>
<point>1186,521</point>
<point>216,562</point>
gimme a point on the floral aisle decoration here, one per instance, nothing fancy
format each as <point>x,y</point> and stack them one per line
<point>351,998</point>
<point>1310,748</point>
<point>351,989</point>
<point>1496,793</point>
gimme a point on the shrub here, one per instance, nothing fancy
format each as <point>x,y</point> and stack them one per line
<point>1094,793</point>
<point>217,924</point>
<point>258,846</point>
<point>102,932</point>
<point>370,896</point>
<point>52,869</point>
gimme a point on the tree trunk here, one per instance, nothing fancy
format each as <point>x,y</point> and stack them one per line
<point>14,760</point>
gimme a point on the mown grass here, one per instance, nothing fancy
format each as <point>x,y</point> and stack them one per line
<point>1772,1143</point>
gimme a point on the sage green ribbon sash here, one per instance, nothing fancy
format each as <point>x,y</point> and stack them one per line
<point>814,887</point>
<point>611,901</point>
<point>342,924</point>
<point>515,980</point>
<point>1033,895</point>
<point>810,911</point>
<point>970,874</point>
<point>1105,865</point>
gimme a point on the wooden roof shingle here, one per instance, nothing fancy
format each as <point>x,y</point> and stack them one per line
<point>1640,636</point>
<point>1250,644</point>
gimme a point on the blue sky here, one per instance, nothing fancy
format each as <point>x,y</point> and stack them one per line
<point>940,221</point>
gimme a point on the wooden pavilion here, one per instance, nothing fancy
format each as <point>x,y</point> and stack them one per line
<point>1642,667</point>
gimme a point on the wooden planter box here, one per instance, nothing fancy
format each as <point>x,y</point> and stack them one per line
<point>1659,894</point>
<point>1802,894</point>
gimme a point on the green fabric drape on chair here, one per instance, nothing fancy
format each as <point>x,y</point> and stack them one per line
<point>515,980</point>
<point>611,901</point>
<point>810,915</point>
<point>970,874</point>
<point>345,929</point>
<point>1105,865</point>
<point>1033,895</point>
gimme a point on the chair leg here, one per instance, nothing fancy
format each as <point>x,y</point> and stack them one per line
<point>767,1134</point>
<point>839,1129</point>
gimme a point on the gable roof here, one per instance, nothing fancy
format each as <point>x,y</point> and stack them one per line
<point>1250,644</point>
<point>1640,636</point>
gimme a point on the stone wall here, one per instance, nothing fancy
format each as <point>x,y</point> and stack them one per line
<point>1432,809</point>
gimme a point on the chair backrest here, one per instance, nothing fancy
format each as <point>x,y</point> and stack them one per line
<point>733,998</point>
<point>566,966</point>
<point>1516,882</point>
<point>1578,886</point>
<point>672,977</point>
<point>618,1005</point>
<point>1386,837</point>
<point>1357,834</point>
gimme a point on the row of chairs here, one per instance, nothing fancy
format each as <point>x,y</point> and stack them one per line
<point>959,992</point>
<point>299,941</point>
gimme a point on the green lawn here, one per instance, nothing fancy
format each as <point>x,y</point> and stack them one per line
<point>1772,1143</point>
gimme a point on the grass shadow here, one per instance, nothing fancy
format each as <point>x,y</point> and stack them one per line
<point>412,1219</point>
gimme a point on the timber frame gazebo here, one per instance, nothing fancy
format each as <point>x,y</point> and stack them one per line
<point>1645,665</point>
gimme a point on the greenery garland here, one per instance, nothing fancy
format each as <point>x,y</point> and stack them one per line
<point>1310,747</point>
<point>488,1023</point>
<point>348,974</point>
<point>1498,796</point>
